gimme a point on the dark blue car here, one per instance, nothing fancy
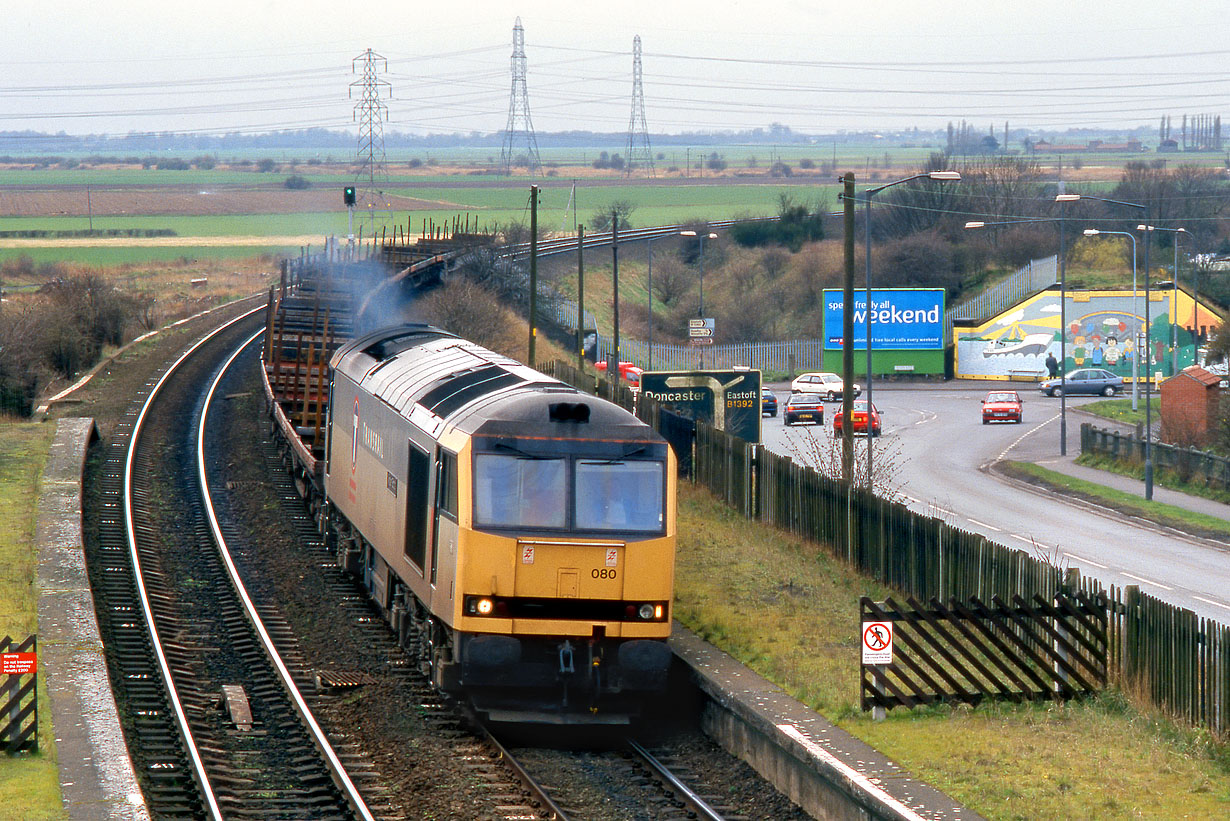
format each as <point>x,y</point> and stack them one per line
<point>768,402</point>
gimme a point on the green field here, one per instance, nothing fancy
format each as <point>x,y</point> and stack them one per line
<point>29,783</point>
<point>492,205</point>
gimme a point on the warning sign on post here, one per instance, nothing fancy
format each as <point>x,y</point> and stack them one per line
<point>877,642</point>
<point>18,664</point>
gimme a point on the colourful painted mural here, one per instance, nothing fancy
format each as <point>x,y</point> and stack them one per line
<point>1102,329</point>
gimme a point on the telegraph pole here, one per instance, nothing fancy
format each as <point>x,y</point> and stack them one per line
<point>533,270</point>
<point>613,368</point>
<point>581,299</point>
<point>847,337</point>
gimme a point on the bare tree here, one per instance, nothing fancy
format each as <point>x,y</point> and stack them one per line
<point>814,448</point>
<point>671,279</point>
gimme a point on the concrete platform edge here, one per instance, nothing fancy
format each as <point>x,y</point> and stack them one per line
<point>823,769</point>
<point>97,780</point>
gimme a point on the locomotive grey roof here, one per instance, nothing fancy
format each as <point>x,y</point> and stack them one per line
<point>434,378</point>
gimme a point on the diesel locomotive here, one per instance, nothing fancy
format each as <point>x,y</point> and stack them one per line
<point>518,534</point>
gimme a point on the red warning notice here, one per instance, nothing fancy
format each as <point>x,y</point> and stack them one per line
<point>18,664</point>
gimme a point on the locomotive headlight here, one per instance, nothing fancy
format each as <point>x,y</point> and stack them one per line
<point>479,606</point>
<point>647,611</point>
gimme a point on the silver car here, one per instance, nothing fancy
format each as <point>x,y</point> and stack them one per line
<point>1090,381</point>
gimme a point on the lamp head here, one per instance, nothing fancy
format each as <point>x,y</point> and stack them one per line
<point>687,233</point>
<point>975,225</point>
<point>1067,197</point>
<point>953,176</point>
<point>1144,227</point>
<point>1091,232</point>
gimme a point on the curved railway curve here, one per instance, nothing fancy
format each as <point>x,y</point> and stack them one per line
<point>207,723</point>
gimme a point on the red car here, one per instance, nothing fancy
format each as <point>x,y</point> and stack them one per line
<point>1001,406</point>
<point>628,372</point>
<point>859,417</point>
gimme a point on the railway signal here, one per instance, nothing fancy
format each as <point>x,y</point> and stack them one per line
<point>348,197</point>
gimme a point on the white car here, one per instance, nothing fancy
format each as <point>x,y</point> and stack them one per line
<point>828,385</point>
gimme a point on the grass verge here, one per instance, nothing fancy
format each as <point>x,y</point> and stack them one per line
<point>1164,478</point>
<point>788,610</point>
<point>28,784</point>
<point>1120,410</point>
<point>1199,524</point>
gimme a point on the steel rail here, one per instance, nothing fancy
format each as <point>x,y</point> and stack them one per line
<point>528,781</point>
<point>338,772</point>
<point>181,718</point>
<point>562,245</point>
<point>685,793</point>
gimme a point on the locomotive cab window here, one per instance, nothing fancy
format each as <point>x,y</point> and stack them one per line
<point>619,495</point>
<point>446,484</point>
<point>520,491</point>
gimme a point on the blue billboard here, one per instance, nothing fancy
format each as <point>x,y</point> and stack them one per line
<point>901,319</point>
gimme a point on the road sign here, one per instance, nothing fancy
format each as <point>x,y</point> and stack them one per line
<point>700,340</point>
<point>695,332</point>
<point>728,400</point>
<point>877,642</point>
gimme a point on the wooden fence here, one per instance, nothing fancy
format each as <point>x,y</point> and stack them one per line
<point>969,651</point>
<point>1179,661</point>
<point>18,696</point>
<point>1190,464</point>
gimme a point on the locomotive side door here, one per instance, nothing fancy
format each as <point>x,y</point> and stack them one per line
<point>444,530</point>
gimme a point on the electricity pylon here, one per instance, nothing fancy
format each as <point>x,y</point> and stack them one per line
<point>371,172</point>
<point>519,128</point>
<point>638,152</point>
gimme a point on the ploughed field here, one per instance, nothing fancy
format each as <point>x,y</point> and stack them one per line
<point>187,200</point>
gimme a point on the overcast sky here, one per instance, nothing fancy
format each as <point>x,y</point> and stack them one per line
<point>258,65</point>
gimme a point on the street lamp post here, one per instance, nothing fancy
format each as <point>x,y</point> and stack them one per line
<point>1093,232</point>
<point>1174,299</point>
<point>868,193</point>
<point>1148,374</point>
<point>700,311</point>
<point>1063,307</point>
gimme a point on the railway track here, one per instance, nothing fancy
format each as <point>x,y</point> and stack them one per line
<point>629,781</point>
<point>211,728</point>
<point>197,751</point>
